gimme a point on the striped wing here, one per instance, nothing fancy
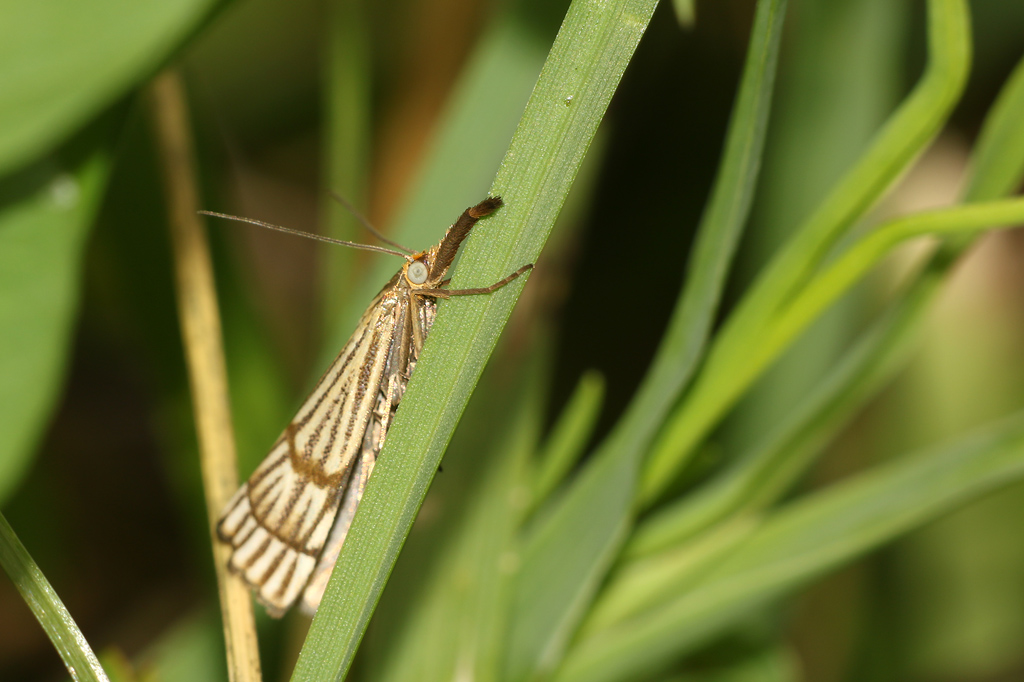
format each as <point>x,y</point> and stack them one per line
<point>401,363</point>
<point>279,520</point>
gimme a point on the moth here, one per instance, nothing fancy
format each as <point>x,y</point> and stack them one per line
<point>287,523</point>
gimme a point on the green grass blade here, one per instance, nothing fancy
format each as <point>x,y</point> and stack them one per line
<point>731,197</point>
<point>998,158</point>
<point>592,518</point>
<point>48,609</point>
<point>570,98</point>
<point>641,585</point>
<point>570,434</point>
<point>61,63</point>
<point>903,137</point>
<point>843,77</point>
<point>452,623</point>
<point>860,258</point>
<point>45,215</point>
<point>757,478</point>
<point>826,288</point>
<point>481,118</point>
<point>801,542</point>
<point>760,476</point>
<point>347,132</point>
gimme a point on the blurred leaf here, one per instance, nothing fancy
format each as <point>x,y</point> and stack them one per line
<point>777,459</point>
<point>45,214</point>
<point>727,373</point>
<point>565,560</point>
<point>453,626</point>
<point>48,609</point>
<point>346,144</point>
<point>844,73</point>
<point>61,63</point>
<point>766,664</point>
<point>570,434</point>
<point>998,159</point>
<point>834,281</point>
<point>862,256</point>
<point>686,12</point>
<point>584,67</point>
<point>959,595</point>
<point>192,650</point>
<point>959,599</point>
<point>117,665</point>
<point>758,477</point>
<point>800,542</point>
<point>643,584</point>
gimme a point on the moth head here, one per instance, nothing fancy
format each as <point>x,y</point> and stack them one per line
<point>417,271</point>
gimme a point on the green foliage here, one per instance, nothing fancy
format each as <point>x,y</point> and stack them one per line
<point>47,608</point>
<point>586,61</point>
<point>63,64</point>
<point>667,549</point>
<point>43,224</point>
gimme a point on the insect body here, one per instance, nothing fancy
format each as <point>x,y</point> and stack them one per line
<point>287,523</point>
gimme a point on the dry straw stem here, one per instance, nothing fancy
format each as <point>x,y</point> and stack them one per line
<point>204,355</point>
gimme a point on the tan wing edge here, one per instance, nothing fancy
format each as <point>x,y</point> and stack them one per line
<point>278,522</point>
<point>275,547</point>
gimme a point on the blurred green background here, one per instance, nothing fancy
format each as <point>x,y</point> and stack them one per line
<point>98,465</point>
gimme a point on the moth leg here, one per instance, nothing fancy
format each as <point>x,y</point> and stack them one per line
<point>385,411</point>
<point>448,293</point>
<point>417,330</point>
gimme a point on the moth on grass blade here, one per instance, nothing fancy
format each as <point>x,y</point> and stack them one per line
<point>287,523</point>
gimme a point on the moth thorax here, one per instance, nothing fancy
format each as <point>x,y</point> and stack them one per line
<point>417,272</point>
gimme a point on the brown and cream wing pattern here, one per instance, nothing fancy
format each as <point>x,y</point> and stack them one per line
<point>280,519</point>
<point>402,359</point>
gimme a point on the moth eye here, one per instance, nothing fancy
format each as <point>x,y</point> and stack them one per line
<point>417,272</point>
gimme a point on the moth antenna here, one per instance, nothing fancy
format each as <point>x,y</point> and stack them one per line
<point>366,223</point>
<point>308,235</point>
